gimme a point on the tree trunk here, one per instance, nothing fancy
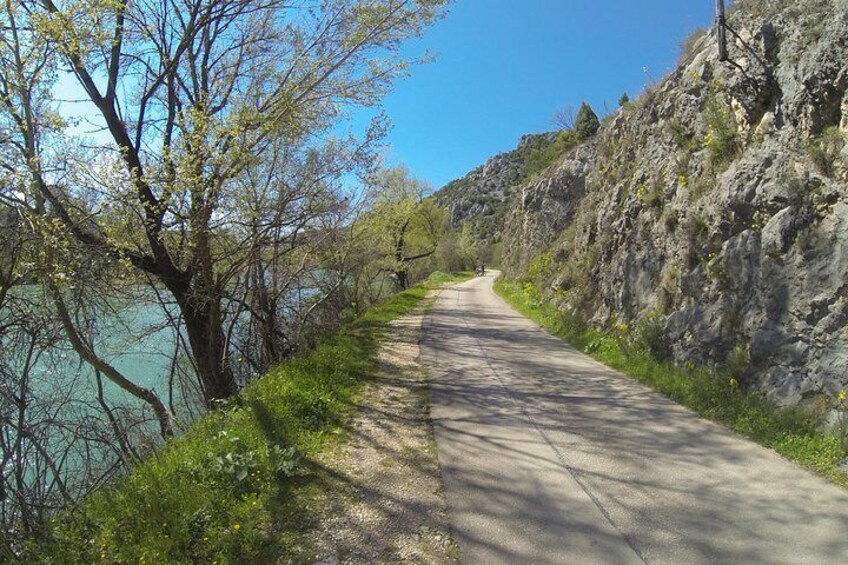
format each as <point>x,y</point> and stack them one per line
<point>402,279</point>
<point>208,346</point>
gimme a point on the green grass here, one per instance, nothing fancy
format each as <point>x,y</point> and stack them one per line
<point>236,488</point>
<point>792,433</point>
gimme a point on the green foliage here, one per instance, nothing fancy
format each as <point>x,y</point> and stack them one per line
<point>531,294</point>
<point>792,433</point>
<point>669,288</point>
<point>402,227</point>
<point>842,419</point>
<point>540,154</point>
<point>683,139</point>
<point>649,336</point>
<point>541,267</point>
<point>452,254</point>
<point>825,151</point>
<point>722,138</point>
<point>651,195</point>
<point>624,99</point>
<point>586,123</point>
<point>231,490</point>
<point>738,364</point>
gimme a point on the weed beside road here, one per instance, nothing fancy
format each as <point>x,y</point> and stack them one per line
<point>715,395</point>
<point>235,487</point>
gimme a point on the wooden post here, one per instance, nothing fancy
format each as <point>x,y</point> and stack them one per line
<point>721,26</point>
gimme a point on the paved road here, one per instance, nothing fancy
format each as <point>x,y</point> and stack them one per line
<point>550,457</point>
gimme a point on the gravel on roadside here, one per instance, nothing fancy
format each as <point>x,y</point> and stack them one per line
<point>387,504</point>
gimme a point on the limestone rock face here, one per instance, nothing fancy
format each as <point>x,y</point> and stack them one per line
<point>719,199</point>
<point>480,198</point>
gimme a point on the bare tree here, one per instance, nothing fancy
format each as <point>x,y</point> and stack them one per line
<point>27,124</point>
<point>54,447</point>
<point>565,117</point>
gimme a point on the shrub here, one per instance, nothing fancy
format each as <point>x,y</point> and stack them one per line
<point>649,335</point>
<point>540,155</point>
<point>825,150</point>
<point>722,138</point>
<point>687,46</point>
<point>586,123</point>
<point>651,196</point>
<point>842,419</point>
<point>738,364</point>
<point>532,294</point>
<point>541,267</point>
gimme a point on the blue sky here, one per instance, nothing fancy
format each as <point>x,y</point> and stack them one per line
<point>503,67</point>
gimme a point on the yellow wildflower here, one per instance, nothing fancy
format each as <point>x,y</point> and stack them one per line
<point>734,384</point>
<point>236,527</point>
<point>842,395</point>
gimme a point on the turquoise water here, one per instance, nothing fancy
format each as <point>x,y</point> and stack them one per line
<point>139,343</point>
<point>63,407</point>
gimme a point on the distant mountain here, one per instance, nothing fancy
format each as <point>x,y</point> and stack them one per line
<point>480,198</point>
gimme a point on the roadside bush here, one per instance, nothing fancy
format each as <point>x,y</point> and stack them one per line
<point>737,365</point>
<point>649,335</point>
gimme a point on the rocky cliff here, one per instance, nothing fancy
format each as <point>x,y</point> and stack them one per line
<point>718,200</point>
<point>479,200</point>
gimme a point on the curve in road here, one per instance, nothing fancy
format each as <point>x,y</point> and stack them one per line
<point>548,456</point>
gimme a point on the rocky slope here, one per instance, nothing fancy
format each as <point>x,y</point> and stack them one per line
<point>479,199</point>
<point>718,202</point>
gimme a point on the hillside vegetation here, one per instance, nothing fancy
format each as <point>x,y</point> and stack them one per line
<point>220,216</point>
<point>714,205</point>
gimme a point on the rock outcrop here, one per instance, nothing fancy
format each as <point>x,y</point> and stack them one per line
<point>480,198</point>
<point>718,200</point>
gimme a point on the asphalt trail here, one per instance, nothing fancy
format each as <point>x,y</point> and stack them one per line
<point>550,457</point>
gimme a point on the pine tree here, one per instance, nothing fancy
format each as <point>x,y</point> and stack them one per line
<point>586,123</point>
<point>623,100</point>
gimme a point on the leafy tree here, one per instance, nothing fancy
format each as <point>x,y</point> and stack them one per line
<point>541,154</point>
<point>623,100</point>
<point>402,226</point>
<point>586,123</point>
<point>195,95</point>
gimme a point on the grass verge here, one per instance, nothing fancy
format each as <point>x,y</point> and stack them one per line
<point>236,487</point>
<point>793,433</point>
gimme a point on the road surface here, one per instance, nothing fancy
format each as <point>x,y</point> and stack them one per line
<point>550,457</point>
